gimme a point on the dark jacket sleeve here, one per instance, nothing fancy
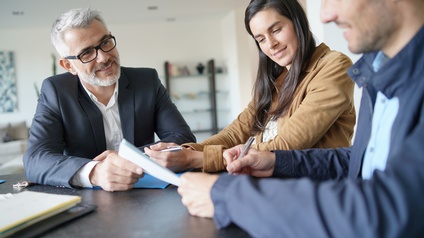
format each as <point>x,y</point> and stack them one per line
<point>48,159</point>
<point>317,164</point>
<point>388,205</point>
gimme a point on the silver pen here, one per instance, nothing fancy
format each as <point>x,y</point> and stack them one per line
<point>172,148</point>
<point>246,147</point>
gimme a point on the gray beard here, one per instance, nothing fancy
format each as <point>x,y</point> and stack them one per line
<point>92,79</point>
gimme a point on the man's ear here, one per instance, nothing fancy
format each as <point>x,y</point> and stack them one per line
<point>67,66</point>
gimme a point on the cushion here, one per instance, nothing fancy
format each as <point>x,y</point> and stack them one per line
<point>19,131</point>
<point>14,131</point>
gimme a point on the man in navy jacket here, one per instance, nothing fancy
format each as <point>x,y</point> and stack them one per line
<point>84,114</point>
<point>374,188</point>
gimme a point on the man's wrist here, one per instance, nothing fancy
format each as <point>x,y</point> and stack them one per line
<point>82,177</point>
<point>195,158</point>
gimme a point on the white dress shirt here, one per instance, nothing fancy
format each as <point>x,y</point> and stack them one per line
<point>113,134</point>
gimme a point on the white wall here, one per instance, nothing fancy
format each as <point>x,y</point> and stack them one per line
<point>33,63</point>
<point>240,53</point>
<point>149,45</point>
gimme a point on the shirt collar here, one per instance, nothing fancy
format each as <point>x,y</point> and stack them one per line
<point>380,60</point>
<point>94,98</point>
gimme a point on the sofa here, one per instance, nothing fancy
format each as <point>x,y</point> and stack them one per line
<point>13,143</point>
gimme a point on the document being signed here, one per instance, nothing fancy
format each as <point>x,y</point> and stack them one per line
<point>133,154</point>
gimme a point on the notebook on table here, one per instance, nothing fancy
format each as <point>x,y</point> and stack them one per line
<point>28,212</point>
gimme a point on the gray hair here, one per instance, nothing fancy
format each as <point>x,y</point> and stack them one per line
<point>74,18</point>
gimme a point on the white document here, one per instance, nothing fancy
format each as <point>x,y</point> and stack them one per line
<point>133,154</point>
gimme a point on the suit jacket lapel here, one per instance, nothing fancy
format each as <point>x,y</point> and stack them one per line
<point>126,108</point>
<point>95,118</point>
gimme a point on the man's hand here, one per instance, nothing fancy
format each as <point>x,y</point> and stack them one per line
<point>175,160</point>
<point>256,163</point>
<point>114,173</point>
<point>195,190</point>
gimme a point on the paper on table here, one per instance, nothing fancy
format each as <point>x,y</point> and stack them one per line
<point>133,154</point>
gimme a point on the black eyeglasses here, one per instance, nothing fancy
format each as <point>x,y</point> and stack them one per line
<point>92,53</point>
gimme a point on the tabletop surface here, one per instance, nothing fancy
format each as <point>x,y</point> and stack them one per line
<point>134,213</point>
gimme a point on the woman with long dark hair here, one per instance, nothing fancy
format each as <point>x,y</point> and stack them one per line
<point>303,97</point>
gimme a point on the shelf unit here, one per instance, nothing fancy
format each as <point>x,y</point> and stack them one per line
<point>195,96</point>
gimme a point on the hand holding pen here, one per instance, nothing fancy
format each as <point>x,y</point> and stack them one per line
<point>244,150</point>
<point>246,147</point>
<point>257,163</point>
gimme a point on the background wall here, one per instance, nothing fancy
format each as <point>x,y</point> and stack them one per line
<point>184,43</point>
<point>33,62</point>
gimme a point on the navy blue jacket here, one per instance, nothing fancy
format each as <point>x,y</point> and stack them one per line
<point>330,199</point>
<point>67,130</point>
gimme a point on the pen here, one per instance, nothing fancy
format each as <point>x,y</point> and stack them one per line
<point>246,147</point>
<point>171,148</point>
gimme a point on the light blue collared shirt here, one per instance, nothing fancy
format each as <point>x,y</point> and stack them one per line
<point>385,112</point>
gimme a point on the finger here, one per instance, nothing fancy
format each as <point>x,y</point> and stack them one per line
<point>156,155</point>
<point>159,161</point>
<point>112,187</point>
<point>103,155</point>
<point>171,160</point>
<point>232,153</point>
<point>186,181</point>
<point>113,182</point>
<point>161,145</point>
<point>241,166</point>
<point>186,201</point>
<point>186,177</point>
<point>180,190</point>
<point>237,165</point>
<point>148,151</point>
<point>123,167</point>
<point>152,153</point>
<point>124,177</point>
<point>230,167</point>
<point>126,180</point>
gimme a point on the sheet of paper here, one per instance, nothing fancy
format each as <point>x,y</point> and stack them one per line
<point>133,154</point>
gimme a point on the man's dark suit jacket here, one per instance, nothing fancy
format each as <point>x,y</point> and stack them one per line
<point>67,130</point>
